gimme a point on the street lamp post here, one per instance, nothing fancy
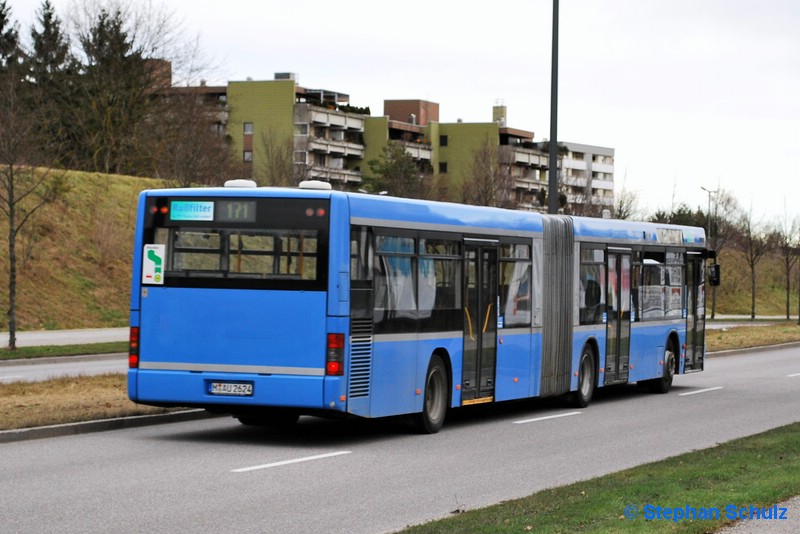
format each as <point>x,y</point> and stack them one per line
<point>708,212</point>
<point>708,240</point>
<point>552,182</point>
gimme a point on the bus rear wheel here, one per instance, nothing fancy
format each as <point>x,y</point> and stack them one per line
<point>434,406</point>
<point>586,380</point>
<point>663,384</point>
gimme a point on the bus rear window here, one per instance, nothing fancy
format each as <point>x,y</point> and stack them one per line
<point>270,244</point>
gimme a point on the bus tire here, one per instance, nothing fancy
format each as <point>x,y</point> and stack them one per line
<point>434,404</point>
<point>662,385</point>
<point>581,397</point>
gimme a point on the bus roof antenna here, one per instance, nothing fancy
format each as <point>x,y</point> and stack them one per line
<point>240,183</point>
<point>315,184</point>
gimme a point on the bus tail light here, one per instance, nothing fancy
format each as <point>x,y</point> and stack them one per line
<point>133,348</point>
<point>334,357</point>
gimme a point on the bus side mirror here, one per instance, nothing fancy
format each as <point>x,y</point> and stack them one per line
<point>713,275</point>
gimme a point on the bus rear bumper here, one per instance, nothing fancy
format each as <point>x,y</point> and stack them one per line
<point>183,388</point>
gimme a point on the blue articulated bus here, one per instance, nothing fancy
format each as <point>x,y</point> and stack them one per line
<point>271,303</point>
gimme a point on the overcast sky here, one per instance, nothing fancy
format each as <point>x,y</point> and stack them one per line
<point>689,93</point>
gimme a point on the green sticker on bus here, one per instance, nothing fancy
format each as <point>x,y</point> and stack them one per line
<point>153,264</point>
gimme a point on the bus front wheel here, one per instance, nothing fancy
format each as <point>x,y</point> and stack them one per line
<point>434,405</point>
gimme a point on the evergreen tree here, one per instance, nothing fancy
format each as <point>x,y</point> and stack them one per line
<point>396,173</point>
<point>113,92</point>
<point>52,90</point>
<point>10,51</point>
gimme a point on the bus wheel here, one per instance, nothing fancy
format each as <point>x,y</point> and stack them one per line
<point>586,380</point>
<point>663,384</point>
<point>434,406</point>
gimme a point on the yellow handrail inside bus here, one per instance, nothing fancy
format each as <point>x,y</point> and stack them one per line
<point>486,322</point>
<point>469,322</point>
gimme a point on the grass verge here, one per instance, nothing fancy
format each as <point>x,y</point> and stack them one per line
<point>755,471</point>
<point>63,350</point>
<point>744,337</point>
<point>67,400</point>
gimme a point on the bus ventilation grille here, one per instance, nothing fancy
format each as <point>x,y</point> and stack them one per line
<point>360,357</point>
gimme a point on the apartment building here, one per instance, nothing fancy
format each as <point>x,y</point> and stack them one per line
<point>587,178</point>
<point>333,141</point>
<point>277,120</point>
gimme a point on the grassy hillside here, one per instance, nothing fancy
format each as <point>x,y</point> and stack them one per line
<point>74,256</point>
<point>733,295</point>
<point>74,261</point>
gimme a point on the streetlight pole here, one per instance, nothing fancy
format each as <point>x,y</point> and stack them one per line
<point>708,240</point>
<point>552,182</point>
<point>708,213</point>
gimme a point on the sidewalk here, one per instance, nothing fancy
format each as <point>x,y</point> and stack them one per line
<point>40,338</point>
<point>754,526</point>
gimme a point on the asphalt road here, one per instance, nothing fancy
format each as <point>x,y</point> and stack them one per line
<point>37,369</point>
<point>216,475</point>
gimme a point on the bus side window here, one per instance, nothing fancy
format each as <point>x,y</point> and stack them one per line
<point>515,285</point>
<point>361,254</point>
<point>592,279</point>
<point>653,291</point>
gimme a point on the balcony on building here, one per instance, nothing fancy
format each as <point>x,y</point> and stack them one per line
<point>412,138</point>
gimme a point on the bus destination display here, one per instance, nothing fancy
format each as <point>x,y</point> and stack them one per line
<point>226,211</point>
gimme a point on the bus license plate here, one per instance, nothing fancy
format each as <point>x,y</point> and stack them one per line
<point>231,388</point>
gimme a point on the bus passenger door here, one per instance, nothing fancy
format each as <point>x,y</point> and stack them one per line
<point>480,322</point>
<point>618,339</point>
<point>695,312</point>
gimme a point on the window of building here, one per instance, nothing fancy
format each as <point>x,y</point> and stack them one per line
<point>248,128</point>
<point>247,156</point>
<point>443,167</point>
<point>442,140</point>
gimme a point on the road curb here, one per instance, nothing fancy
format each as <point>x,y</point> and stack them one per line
<point>85,427</point>
<point>765,348</point>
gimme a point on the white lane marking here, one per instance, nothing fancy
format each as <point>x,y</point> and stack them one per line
<point>699,391</point>
<point>288,462</point>
<point>792,376</point>
<point>545,418</point>
<point>11,377</point>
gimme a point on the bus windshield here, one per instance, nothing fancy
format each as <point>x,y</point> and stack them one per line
<point>241,243</point>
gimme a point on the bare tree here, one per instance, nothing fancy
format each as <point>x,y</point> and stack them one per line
<point>187,143</point>
<point>626,203</point>
<point>489,182</point>
<point>722,229</point>
<point>754,243</point>
<point>787,240</point>
<point>23,188</point>
<point>276,168</point>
